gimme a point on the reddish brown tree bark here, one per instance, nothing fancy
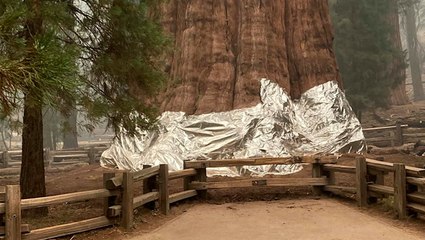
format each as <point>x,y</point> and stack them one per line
<point>32,179</point>
<point>223,48</point>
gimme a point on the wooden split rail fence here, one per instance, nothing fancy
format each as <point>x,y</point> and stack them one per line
<point>395,135</point>
<point>121,193</point>
<point>406,187</point>
<point>91,154</point>
<point>120,199</point>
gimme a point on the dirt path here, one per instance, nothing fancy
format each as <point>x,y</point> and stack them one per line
<point>324,219</point>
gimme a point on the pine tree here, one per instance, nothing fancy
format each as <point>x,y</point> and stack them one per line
<point>365,52</point>
<point>87,55</point>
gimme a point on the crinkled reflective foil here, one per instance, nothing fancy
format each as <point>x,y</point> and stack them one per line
<point>321,121</point>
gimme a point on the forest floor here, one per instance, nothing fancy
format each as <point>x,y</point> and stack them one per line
<point>245,201</point>
<point>410,113</point>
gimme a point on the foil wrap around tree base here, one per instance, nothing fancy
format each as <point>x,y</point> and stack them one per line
<point>320,122</point>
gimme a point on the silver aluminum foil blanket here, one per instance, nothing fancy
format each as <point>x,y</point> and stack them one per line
<point>320,122</point>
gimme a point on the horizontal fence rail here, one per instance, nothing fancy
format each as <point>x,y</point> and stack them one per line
<point>395,135</point>
<point>12,158</point>
<point>406,188</point>
<point>259,161</point>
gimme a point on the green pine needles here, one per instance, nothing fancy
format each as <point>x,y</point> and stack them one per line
<point>100,56</point>
<point>365,51</point>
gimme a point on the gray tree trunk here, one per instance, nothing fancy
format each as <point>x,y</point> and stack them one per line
<point>70,135</point>
<point>412,42</point>
<point>50,128</point>
<point>398,71</point>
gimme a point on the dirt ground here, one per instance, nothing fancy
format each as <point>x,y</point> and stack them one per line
<point>410,113</point>
<point>303,219</point>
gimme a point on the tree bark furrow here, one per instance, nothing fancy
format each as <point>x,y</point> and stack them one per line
<point>224,47</point>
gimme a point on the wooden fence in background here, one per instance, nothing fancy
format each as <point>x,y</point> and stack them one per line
<point>395,135</point>
<point>121,192</point>
<point>89,154</point>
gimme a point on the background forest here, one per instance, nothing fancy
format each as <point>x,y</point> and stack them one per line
<point>375,43</point>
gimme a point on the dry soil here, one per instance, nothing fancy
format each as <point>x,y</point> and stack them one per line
<point>303,219</point>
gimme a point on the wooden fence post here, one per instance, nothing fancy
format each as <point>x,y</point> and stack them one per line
<point>13,212</point>
<point>92,155</point>
<point>201,176</point>
<point>316,172</point>
<point>127,200</point>
<point>393,138</point>
<point>186,180</point>
<point>331,177</point>
<point>108,201</point>
<point>164,203</point>
<point>5,159</point>
<point>46,156</point>
<point>148,186</point>
<point>400,199</point>
<point>399,134</point>
<point>361,181</point>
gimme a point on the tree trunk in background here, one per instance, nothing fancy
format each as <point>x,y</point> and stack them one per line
<point>70,135</point>
<point>47,137</point>
<point>398,94</point>
<point>223,48</point>
<point>50,128</point>
<point>412,42</point>
<point>32,170</point>
<point>32,179</point>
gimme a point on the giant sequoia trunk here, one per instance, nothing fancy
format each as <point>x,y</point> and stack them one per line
<point>223,48</point>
